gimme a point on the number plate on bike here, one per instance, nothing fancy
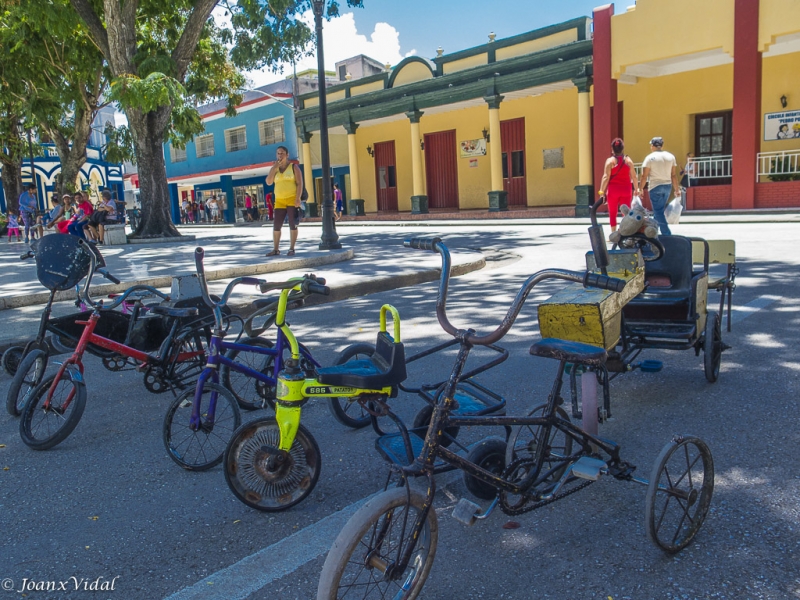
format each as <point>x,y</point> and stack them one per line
<point>329,390</point>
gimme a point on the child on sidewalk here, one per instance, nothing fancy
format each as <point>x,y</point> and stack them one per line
<point>13,226</point>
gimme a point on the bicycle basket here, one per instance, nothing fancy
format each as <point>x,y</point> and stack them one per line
<point>61,263</point>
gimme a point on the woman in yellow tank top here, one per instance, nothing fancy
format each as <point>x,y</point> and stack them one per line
<point>288,182</point>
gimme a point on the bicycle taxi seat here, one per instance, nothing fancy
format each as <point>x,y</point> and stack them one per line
<point>386,367</point>
<point>668,283</point>
<point>572,352</point>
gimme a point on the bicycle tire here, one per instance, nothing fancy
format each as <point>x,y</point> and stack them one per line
<point>29,374</point>
<point>340,407</point>
<point>30,429</point>
<point>525,439</point>
<point>350,550</point>
<point>11,359</point>
<point>691,492</point>
<point>712,347</point>
<point>192,455</point>
<point>489,454</point>
<point>248,475</point>
<point>250,393</point>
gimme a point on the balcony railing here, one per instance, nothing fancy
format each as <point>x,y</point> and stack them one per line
<point>704,167</point>
<point>779,165</point>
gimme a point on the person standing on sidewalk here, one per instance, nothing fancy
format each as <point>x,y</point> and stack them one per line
<point>619,181</point>
<point>288,182</point>
<point>661,170</point>
<point>27,209</point>
<point>338,205</point>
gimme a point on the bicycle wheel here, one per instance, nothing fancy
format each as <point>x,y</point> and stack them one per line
<point>202,448</point>
<point>250,393</point>
<point>679,493</point>
<point>10,359</point>
<point>712,347</point>
<point>29,374</point>
<point>44,427</point>
<point>525,439</point>
<point>489,454</point>
<point>346,410</point>
<point>359,562</point>
<point>179,373</point>
<point>270,488</point>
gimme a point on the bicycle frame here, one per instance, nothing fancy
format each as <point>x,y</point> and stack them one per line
<point>89,337</point>
<point>216,357</point>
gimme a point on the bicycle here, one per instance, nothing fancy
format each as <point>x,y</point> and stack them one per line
<point>389,544</point>
<point>194,441</point>
<point>272,463</point>
<point>61,265</point>
<point>56,404</point>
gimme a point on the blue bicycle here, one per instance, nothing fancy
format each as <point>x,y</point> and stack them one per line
<point>243,374</point>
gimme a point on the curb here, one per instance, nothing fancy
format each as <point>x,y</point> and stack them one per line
<point>166,280</point>
<point>180,240</point>
<point>391,282</point>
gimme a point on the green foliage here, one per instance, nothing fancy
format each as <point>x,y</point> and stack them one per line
<point>780,169</point>
<point>119,146</point>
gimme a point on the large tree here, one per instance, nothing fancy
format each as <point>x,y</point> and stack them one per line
<point>63,73</point>
<point>160,53</point>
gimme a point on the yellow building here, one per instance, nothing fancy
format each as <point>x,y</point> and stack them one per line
<point>527,121</point>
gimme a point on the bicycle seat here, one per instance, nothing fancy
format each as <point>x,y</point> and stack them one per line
<point>384,368</point>
<point>168,311</point>
<point>573,352</point>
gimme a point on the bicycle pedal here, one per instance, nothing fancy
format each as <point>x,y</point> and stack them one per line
<point>466,512</point>
<point>589,468</point>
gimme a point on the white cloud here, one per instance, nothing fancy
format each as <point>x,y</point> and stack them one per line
<point>342,40</point>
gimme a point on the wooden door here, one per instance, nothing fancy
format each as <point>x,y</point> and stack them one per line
<point>512,139</point>
<point>386,176</point>
<point>441,169</point>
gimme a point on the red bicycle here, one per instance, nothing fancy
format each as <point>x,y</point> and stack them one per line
<point>56,405</point>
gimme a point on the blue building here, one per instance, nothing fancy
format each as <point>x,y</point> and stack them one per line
<point>96,173</point>
<point>234,154</point>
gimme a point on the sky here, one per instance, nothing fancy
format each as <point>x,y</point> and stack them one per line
<point>390,30</point>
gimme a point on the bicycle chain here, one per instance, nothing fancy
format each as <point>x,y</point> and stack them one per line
<point>504,506</point>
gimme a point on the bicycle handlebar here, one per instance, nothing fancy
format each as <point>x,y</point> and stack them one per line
<point>470,337</point>
<point>422,243</point>
<point>109,276</point>
<point>26,255</point>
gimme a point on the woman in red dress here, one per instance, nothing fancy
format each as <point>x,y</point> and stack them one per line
<point>619,181</point>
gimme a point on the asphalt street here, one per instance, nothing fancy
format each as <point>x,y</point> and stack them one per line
<point>109,503</point>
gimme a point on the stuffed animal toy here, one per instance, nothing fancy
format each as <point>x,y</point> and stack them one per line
<point>634,220</point>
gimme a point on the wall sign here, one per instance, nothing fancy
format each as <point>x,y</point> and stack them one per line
<point>470,148</point>
<point>782,125</point>
<point>553,158</point>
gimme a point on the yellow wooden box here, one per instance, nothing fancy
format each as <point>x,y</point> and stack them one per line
<point>590,315</point>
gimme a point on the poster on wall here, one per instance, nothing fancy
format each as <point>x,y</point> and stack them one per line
<point>781,125</point>
<point>470,148</point>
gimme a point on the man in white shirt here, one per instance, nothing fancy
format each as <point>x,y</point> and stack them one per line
<point>661,169</point>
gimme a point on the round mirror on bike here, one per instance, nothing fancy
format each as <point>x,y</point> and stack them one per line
<point>61,262</point>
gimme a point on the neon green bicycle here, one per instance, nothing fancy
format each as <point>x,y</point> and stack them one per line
<point>271,463</point>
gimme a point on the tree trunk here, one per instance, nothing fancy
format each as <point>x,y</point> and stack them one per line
<point>72,157</point>
<point>147,130</point>
<point>12,184</point>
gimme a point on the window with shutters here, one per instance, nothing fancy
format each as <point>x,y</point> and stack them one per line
<point>271,131</point>
<point>236,139</point>
<point>177,154</point>
<point>205,145</point>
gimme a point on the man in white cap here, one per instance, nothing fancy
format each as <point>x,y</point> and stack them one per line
<point>661,169</point>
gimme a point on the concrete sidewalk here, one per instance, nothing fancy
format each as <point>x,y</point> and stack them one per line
<point>358,274</point>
